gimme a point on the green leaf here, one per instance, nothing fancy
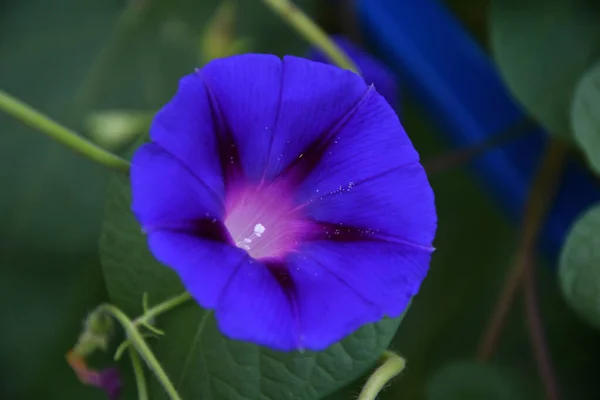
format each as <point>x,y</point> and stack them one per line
<point>469,380</point>
<point>542,48</point>
<point>585,115</point>
<point>198,358</point>
<point>579,269</point>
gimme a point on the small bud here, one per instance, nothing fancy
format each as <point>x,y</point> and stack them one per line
<point>108,380</point>
<point>99,323</point>
<point>97,329</point>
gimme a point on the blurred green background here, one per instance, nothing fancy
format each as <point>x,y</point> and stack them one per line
<point>69,58</point>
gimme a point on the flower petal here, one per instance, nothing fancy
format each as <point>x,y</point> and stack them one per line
<point>185,128</point>
<point>245,93</point>
<point>204,266</point>
<point>328,308</point>
<point>315,97</point>
<point>369,177</point>
<point>386,275</point>
<point>312,127</point>
<point>275,109</point>
<point>255,307</point>
<point>166,193</point>
<point>397,206</point>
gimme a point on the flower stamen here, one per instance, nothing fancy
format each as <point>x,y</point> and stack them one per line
<point>259,229</point>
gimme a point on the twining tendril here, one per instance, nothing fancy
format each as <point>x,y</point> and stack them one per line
<point>140,378</point>
<point>126,344</point>
<point>98,328</point>
<point>147,318</point>
<point>139,344</point>
<point>392,365</point>
<point>150,314</point>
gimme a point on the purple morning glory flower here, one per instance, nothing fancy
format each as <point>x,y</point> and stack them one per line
<point>372,69</point>
<point>288,198</point>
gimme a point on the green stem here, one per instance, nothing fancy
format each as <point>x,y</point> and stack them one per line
<point>142,348</point>
<point>461,156</point>
<point>538,204</point>
<point>392,365</point>
<point>61,134</point>
<point>161,308</point>
<point>311,32</point>
<point>140,378</point>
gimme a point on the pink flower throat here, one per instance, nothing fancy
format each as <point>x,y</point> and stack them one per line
<point>264,220</point>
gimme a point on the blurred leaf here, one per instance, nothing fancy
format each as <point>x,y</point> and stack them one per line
<point>267,31</point>
<point>51,202</point>
<point>542,48</point>
<point>585,115</point>
<point>200,360</point>
<point>117,129</point>
<point>75,298</point>
<point>580,266</point>
<point>471,381</point>
<point>156,42</point>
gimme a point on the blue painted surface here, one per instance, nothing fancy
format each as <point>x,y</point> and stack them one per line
<point>458,86</point>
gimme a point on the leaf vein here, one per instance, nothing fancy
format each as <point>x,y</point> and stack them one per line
<point>195,343</point>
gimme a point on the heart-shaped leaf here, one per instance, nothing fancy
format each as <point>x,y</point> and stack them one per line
<point>201,362</point>
<point>579,269</point>
<point>542,48</point>
<point>585,115</point>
